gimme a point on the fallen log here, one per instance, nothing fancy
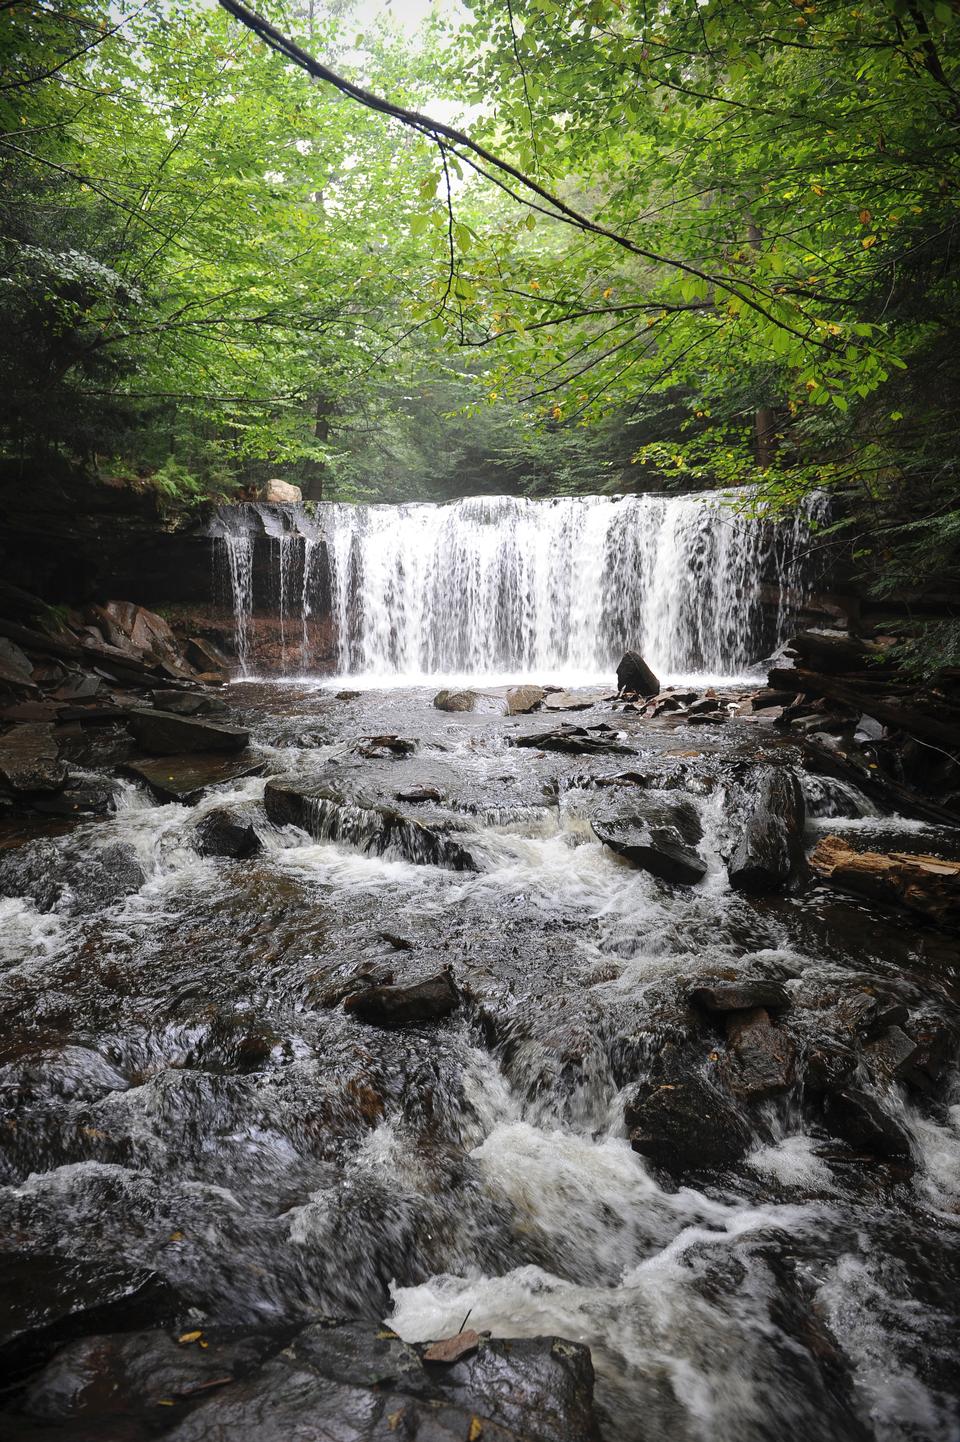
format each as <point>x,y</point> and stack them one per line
<point>924,884</point>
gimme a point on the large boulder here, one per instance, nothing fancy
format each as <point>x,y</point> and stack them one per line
<point>282,493</point>
<point>660,837</point>
<point>686,1125</point>
<point>927,885</point>
<point>633,674</point>
<point>858,1119</point>
<point>770,847</point>
<point>742,995</point>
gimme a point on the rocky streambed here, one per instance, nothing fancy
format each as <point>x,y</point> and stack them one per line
<point>539,1031</point>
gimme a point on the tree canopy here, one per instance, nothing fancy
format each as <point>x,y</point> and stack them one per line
<point>676,245</point>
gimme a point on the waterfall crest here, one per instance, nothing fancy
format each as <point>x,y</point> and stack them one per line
<point>502,585</point>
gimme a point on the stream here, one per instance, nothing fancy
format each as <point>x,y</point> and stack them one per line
<point>187,1097</point>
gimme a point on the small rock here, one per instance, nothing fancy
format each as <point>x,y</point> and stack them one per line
<point>523,699</point>
<point>388,1006</point>
<point>456,700</point>
<point>347,695</point>
<point>223,833</point>
<point>574,741</point>
<point>419,794</point>
<point>451,1349</point>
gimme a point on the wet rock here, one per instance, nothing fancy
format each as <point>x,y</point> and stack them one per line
<point>224,833</point>
<point>426,1000</point>
<point>574,741</point>
<point>923,884</point>
<point>29,760</point>
<point>686,1125</point>
<point>420,794</point>
<point>633,674</point>
<point>660,838</point>
<point>771,843</point>
<point>723,996</point>
<point>56,879</point>
<point>48,1298</point>
<point>930,1065</point>
<point>161,734</point>
<point>108,1376</point>
<point>377,748</point>
<point>365,1387</point>
<point>348,695</point>
<point>828,1066</point>
<point>186,703</point>
<point>890,1056</point>
<point>15,668</point>
<point>760,1060</point>
<point>185,778</point>
<point>370,826</point>
<point>857,1119</point>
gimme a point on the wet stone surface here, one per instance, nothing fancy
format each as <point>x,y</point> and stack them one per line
<point>314,1101</point>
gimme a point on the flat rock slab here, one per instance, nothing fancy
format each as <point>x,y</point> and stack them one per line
<point>334,814</point>
<point>344,1382</point>
<point>29,761</point>
<point>161,733</point>
<point>575,741</point>
<point>185,778</point>
<point>573,700</point>
<point>924,884</point>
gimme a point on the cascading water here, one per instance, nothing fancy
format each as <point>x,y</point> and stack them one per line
<point>502,585</point>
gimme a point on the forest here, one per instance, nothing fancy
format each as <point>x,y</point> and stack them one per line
<point>677,246</point>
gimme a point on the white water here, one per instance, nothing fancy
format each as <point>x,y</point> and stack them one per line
<point>501,588</point>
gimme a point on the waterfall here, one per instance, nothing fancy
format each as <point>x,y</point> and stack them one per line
<point>508,586</point>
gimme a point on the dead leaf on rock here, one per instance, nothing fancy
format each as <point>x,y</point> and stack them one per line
<point>190,1336</point>
<point>451,1349</point>
<point>476,1430</point>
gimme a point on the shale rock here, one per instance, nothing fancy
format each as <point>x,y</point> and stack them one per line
<point>224,833</point>
<point>575,741</point>
<point>633,674</point>
<point>686,1126</point>
<point>29,760</point>
<point>891,1055</point>
<point>660,838</point>
<point>760,1059</point>
<point>367,824</point>
<point>185,778</point>
<point>205,655</point>
<point>771,843</point>
<point>161,734</point>
<point>427,1000</point>
<point>924,884</point>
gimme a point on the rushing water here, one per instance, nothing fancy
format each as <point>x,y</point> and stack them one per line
<point>505,586</point>
<point>190,1096</point>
